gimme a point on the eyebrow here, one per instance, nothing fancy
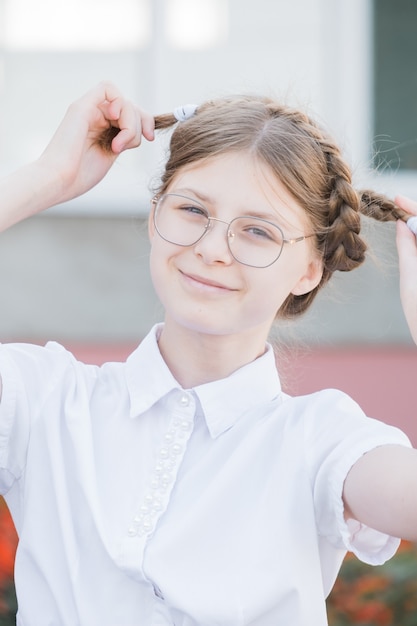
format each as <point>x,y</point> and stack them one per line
<point>270,217</point>
<point>193,192</point>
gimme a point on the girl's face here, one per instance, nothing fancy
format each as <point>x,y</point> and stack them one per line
<point>202,287</point>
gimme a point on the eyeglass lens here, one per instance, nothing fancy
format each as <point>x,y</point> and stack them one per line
<point>184,221</point>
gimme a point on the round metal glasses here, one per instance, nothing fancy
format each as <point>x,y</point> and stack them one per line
<point>252,241</point>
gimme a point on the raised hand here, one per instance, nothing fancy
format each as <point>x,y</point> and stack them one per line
<point>407,255</point>
<point>94,131</point>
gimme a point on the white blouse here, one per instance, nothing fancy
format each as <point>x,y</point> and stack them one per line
<point>139,503</point>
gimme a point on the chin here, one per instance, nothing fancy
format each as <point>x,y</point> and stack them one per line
<point>205,325</point>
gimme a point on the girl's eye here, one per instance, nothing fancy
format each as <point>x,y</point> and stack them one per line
<point>259,232</point>
<point>193,209</point>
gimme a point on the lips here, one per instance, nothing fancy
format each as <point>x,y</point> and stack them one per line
<point>205,282</point>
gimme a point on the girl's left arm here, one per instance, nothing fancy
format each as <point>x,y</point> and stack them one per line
<point>381,491</point>
<point>381,488</point>
<point>407,256</point>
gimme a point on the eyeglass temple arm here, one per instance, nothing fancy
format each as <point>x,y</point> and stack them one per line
<point>297,239</point>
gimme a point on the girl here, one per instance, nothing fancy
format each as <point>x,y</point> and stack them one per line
<point>183,486</point>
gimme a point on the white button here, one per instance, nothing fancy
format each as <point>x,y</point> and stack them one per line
<point>163,453</point>
<point>185,400</point>
<point>166,479</point>
<point>176,448</point>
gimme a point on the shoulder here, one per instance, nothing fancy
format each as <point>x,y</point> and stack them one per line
<point>322,409</point>
<point>330,420</point>
<point>32,359</point>
<point>36,371</point>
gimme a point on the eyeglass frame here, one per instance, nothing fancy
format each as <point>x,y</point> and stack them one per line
<point>157,198</point>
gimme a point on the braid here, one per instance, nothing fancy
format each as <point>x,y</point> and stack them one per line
<point>334,206</point>
<point>340,242</point>
<point>336,213</point>
<point>345,249</point>
<point>380,208</point>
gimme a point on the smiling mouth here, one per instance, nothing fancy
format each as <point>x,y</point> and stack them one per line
<point>205,283</point>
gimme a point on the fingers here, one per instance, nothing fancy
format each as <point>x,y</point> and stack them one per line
<point>133,123</point>
<point>407,204</point>
<point>95,129</point>
<point>410,206</point>
<point>406,241</point>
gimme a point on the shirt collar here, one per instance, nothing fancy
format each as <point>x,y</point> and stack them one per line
<point>148,376</point>
<point>222,401</point>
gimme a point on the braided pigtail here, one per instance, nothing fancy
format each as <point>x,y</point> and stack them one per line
<point>380,208</point>
<point>334,208</point>
<point>345,249</point>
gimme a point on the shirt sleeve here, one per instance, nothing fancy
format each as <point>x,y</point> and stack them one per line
<point>28,373</point>
<point>337,434</point>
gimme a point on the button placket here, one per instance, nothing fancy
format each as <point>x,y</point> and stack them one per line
<point>165,470</point>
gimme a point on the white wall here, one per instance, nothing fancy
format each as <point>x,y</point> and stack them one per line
<point>313,53</point>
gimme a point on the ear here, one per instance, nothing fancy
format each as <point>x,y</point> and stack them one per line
<point>310,279</point>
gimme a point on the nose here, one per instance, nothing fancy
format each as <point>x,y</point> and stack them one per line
<point>214,247</point>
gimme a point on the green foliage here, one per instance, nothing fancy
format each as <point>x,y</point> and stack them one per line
<point>376,596</point>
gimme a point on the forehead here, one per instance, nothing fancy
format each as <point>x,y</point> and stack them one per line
<point>242,182</point>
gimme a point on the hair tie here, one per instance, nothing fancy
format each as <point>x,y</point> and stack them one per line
<point>184,112</point>
<point>412,224</point>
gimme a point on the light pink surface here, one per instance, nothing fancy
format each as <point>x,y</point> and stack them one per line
<point>382,380</point>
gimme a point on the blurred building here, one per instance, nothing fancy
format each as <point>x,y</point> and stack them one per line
<point>80,271</point>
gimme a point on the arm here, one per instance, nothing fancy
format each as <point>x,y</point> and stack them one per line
<point>381,491</point>
<point>381,488</point>
<point>407,255</point>
<point>76,159</point>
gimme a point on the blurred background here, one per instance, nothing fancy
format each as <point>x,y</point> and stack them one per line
<point>79,273</point>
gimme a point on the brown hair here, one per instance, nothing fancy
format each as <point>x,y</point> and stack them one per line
<point>302,156</point>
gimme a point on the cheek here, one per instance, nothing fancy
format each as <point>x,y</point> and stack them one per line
<point>268,289</point>
<point>271,286</point>
<point>160,266</point>
<point>156,268</point>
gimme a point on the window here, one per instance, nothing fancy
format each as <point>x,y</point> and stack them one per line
<point>395,84</point>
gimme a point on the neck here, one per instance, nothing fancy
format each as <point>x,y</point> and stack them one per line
<point>196,358</point>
